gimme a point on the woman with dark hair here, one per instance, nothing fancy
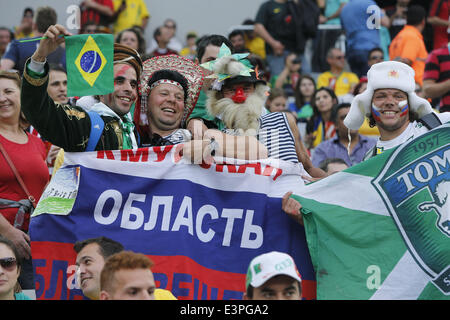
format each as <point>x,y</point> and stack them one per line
<point>10,267</point>
<point>21,154</point>
<point>320,127</point>
<point>303,92</point>
<point>133,38</point>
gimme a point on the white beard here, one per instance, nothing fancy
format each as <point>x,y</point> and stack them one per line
<point>241,117</point>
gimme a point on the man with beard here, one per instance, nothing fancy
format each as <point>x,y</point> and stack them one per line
<point>392,105</point>
<point>237,98</point>
<point>70,127</point>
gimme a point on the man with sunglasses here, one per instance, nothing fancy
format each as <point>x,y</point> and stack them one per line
<point>340,81</point>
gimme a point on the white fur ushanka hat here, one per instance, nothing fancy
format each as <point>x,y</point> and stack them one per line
<point>386,75</point>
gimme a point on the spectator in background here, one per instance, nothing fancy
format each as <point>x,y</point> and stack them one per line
<point>360,38</point>
<point>190,50</point>
<point>332,12</point>
<point>10,268</point>
<point>99,12</point>
<point>275,24</point>
<point>439,18</point>
<point>303,92</point>
<point>253,42</point>
<point>338,80</point>
<point>130,13</point>
<point>397,17</point>
<point>273,276</point>
<point>91,256</point>
<point>351,149</point>
<point>276,101</point>
<point>333,165</point>
<point>320,127</point>
<point>436,78</point>
<point>237,39</point>
<point>162,37</point>
<point>6,36</point>
<point>17,53</point>
<point>375,55</point>
<point>132,38</point>
<point>27,153</point>
<point>25,29</point>
<point>287,79</point>
<point>174,44</point>
<point>127,276</point>
<point>89,28</point>
<point>408,46</point>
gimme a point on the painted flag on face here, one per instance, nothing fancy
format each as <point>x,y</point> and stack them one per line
<point>90,64</point>
<point>381,229</point>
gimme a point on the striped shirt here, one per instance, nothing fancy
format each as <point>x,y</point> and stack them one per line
<point>277,136</point>
<point>437,68</point>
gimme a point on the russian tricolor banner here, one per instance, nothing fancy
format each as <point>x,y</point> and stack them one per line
<point>200,224</point>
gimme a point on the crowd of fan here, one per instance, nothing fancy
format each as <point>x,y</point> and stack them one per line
<point>313,75</point>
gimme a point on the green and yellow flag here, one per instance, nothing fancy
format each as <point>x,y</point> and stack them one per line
<point>89,59</point>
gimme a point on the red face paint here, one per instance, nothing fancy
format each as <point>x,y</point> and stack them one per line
<point>239,95</point>
<point>122,70</point>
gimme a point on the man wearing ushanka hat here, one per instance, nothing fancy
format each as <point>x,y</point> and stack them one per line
<point>392,105</point>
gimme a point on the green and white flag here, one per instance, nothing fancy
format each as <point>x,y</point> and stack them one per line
<point>89,60</point>
<point>381,229</point>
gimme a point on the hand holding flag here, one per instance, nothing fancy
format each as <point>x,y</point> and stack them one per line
<point>50,42</point>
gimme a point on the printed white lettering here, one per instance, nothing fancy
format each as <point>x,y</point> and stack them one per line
<point>230,215</point>
<point>108,194</point>
<point>205,210</point>
<point>129,211</point>
<point>158,201</point>
<point>250,229</point>
<point>181,220</point>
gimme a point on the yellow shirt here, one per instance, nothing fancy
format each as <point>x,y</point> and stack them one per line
<point>22,35</point>
<point>161,294</point>
<point>342,85</point>
<point>256,46</point>
<point>135,11</point>
<point>367,131</point>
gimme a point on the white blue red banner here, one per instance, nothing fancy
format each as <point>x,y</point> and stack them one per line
<point>200,224</point>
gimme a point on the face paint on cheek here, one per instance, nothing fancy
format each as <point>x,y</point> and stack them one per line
<point>404,108</point>
<point>123,69</point>
<point>376,113</point>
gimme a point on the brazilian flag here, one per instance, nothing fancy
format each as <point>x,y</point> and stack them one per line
<point>89,60</point>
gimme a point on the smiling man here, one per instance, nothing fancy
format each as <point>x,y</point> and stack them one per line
<point>169,88</point>
<point>391,104</point>
<point>70,127</point>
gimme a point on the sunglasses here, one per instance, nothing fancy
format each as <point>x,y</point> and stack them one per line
<point>339,57</point>
<point>376,57</point>
<point>8,264</point>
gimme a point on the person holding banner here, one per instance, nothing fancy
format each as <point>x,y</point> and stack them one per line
<point>391,104</point>
<point>71,128</point>
<point>169,89</point>
<point>237,98</point>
